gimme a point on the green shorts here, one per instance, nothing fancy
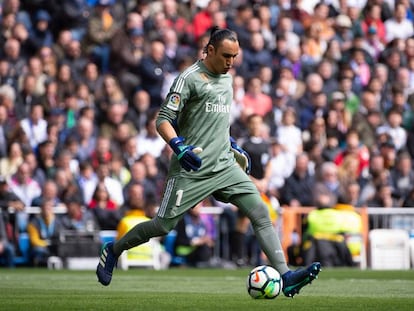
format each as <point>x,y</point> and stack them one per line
<point>183,193</point>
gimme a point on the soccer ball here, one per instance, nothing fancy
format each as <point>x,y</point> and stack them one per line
<point>264,282</point>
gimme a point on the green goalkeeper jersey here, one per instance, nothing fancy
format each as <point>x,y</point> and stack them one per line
<point>198,105</point>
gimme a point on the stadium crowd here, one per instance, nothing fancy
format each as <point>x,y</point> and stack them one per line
<point>323,101</point>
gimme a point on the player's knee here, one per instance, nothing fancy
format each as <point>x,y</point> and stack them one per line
<point>164,225</point>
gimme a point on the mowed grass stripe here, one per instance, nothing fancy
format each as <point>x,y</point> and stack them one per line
<point>199,289</point>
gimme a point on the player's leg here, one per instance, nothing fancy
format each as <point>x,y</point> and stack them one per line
<point>179,196</point>
<point>254,208</point>
<point>138,235</point>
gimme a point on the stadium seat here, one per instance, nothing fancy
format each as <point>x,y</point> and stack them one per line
<point>24,247</point>
<point>107,236</point>
<point>389,249</point>
<point>145,255</point>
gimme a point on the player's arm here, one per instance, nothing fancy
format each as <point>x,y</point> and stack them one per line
<point>186,154</point>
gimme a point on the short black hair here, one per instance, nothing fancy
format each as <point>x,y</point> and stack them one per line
<point>218,35</point>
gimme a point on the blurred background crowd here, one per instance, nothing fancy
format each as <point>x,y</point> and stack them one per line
<point>323,103</point>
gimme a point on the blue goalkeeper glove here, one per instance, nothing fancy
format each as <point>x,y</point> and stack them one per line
<point>186,154</point>
<point>242,157</point>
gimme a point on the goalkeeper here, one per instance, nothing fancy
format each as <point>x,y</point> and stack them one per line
<point>194,120</point>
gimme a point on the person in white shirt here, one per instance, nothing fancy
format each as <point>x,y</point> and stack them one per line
<point>398,27</point>
<point>35,126</point>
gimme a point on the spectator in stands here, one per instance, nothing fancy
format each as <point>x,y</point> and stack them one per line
<point>114,115</point>
<point>149,141</point>
<point>35,68</point>
<point>318,107</point>
<point>360,67</point>
<point>92,78</point>
<point>313,85</point>
<point>373,44</point>
<point>139,175</point>
<point>114,186</point>
<point>67,163</point>
<point>130,151</point>
<point>348,171</point>
<point>105,209</point>
<point>59,46</point>
<point>254,99</point>
<point>372,21</point>
<point>101,28</point>
<point>325,232</point>
<point>15,7</point>
<point>327,181</point>
<point>238,95</point>
<point>73,16</point>
<point>138,109</point>
<point>154,65</point>
<point>12,53</point>
<point>342,117</point>
<point>46,161</point>
<point>353,146</point>
<point>26,96</point>
<point>376,173</point>
<point>288,134</point>
<point>290,75</point>
<point>321,18</point>
<point>26,188</point>
<point>402,176</point>
<point>393,128</point>
<point>102,152</point>
<point>49,100</point>
<point>78,218</point>
<point>43,232</point>
<point>279,167</point>
<point>351,193</point>
<point>316,134</point>
<point>108,93</point>
<point>7,251</point>
<point>118,170</point>
<point>409,200</point>
<point>135,210</point>
<point>49,193</point>
<point>41,34</point>
<point>285,28</point>
<point>238,22</point>
<point>66,83</point>
<point>383,198</point>
<point>399,26</point>
<point>8,199</point>
<point>203,19</point>
<point>84,134</point>
<point>87,181</point>
<point>84,96</point>
<point>176,21</point>
<point>127,50</point>
<point>298,188</point>
<point>12,159</point>
<point>35,126</point>
<point>193,241</point>
<point>257,145</point>
<point>67,185</point>
<point>75,58</point>
<point>255,54</point>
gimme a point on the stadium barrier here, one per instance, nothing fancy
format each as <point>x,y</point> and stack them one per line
<point>372,218</point>
<point>290,222</point>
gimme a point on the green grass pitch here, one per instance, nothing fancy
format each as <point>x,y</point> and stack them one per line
<point>199,289</point>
